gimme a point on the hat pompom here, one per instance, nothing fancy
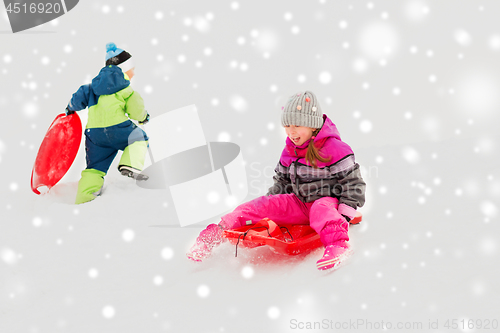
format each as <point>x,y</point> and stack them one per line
<point>110,47</point>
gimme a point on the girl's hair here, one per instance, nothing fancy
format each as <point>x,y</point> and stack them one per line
<point>313,155</point>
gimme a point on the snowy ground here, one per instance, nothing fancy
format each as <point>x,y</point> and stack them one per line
<point>413,88</point>
<point>432,256</point>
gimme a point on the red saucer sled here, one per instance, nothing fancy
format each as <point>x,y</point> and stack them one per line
<point>290,239</point>
<point>57,151</point>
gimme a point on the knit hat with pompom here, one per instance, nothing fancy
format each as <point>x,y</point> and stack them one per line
<point>118,57</point>
<point>302,109</point>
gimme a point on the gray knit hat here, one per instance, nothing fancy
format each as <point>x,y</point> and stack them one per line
<point>302,109</point>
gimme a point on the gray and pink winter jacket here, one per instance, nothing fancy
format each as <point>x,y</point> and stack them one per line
<point>340,177</point>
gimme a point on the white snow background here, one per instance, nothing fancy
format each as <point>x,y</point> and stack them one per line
<point>414,88</point>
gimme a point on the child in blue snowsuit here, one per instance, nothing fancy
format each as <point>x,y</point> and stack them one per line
<point>112,103</point>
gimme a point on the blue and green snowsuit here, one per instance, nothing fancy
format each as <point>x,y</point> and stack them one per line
<point>112,103</point>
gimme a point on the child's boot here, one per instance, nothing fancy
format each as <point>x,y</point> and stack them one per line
<point>132,161</point>
<point>206,242</point>
<point>334,236</point>
<point>333,256</point>
<point>89,186</point>
<point>131,173</point>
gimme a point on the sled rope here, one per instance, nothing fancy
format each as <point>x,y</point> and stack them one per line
<point>267,229</point>
<point>245,234</point>
<point>288,231</point>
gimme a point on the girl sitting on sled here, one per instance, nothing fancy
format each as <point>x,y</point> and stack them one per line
<point>317,182</point>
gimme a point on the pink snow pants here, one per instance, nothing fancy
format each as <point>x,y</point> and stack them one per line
<point>322,215</point>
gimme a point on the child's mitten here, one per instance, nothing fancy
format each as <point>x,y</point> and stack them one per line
<point>68,111</point>
<point>145,121</point>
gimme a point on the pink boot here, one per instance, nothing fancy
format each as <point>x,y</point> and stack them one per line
<point>205,243</point>
<point>333,256</point>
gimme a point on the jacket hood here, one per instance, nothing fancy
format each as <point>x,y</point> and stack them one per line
<point>109,81</point>
<point>328,141</point>
<point>327,130</point>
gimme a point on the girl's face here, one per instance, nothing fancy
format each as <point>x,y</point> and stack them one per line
<point>299,134</point>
